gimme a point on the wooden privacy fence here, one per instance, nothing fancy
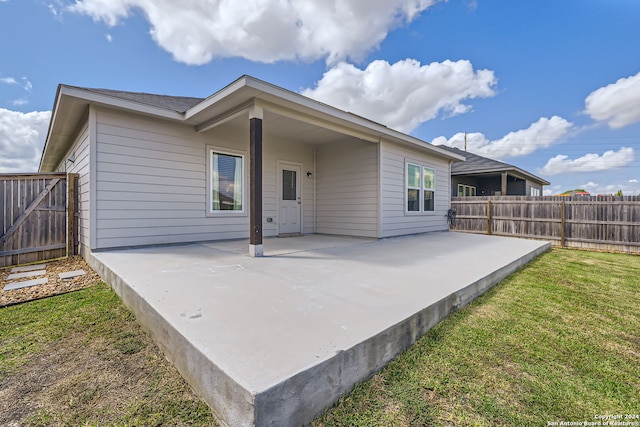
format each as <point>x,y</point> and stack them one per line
<point>602,222</point>
<point>38,217</point>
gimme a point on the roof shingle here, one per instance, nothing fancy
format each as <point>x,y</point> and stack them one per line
<point>179,104</point>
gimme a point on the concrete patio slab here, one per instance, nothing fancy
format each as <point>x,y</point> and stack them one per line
<point>276,340</point>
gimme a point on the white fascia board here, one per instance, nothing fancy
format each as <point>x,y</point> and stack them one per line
<point>54,113</point>
<point>399,137</point>
<point>225,117</point>
<point>216,97</point>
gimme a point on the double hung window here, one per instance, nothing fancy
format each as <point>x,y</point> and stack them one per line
<point>420,188</point>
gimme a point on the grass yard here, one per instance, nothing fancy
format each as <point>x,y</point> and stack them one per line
<point>557,341</point>
<point>81,359</point>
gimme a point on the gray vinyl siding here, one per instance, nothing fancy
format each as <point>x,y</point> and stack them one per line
<point>151,182</point>
<point>530,185</point>
<point>395,221</point>
<point>80,150</point>
<point>347,189</point>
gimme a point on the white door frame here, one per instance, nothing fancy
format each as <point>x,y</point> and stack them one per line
<point>280,165</point>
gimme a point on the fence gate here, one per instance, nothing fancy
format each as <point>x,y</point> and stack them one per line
<point>38,217</point>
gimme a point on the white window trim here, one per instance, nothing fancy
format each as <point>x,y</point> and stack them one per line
<point>465,187</point>
<point>425,189</point>
<point>422,189</point>
<point>209,212</point>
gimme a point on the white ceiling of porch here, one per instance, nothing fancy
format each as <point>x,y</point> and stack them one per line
<point>279,127</point>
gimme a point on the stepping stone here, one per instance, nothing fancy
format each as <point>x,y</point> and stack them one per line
<point>25,284</point>
<point>28,268</point>
<point>26,274</point>
<point>71,274</point>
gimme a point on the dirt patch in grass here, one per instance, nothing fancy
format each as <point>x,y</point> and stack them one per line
<point>90,365</point>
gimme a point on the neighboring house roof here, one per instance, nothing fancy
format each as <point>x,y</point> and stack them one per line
<point>478,165</point>
<point>72,103</point>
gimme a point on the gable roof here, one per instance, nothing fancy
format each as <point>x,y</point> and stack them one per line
<point>179,104</point>
<point>71,107</point>
<point>477,165</point>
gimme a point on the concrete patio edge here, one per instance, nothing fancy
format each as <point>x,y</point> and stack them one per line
<point>318,388</point>
<point>309,389</point>
<point>232,404</point>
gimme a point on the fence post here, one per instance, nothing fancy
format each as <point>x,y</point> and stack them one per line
<point>563,222</point>
<point>488,216</point>
<point>72,223</point>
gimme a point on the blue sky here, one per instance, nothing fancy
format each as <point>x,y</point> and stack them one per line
<point>550,86</point>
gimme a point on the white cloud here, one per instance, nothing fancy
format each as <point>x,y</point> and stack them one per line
<point>56,8</point>
<point>590,186</point>
<point>550,190</point>
<point>543,133</point>
<point>109,37</point>
<point>8,80</point>
<point>472,5</point>
<point>21,139</point>
<point>53,9</point>
<point>633,181</point>
<point>19,102</point>
<point>26,84</point>
<point>589,162</point>
<point>195,31</point>
<point>618,104</point>
<point>404,94</point>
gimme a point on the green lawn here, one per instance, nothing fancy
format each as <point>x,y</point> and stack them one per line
<point>557,341</point>
<point>81,359</point>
